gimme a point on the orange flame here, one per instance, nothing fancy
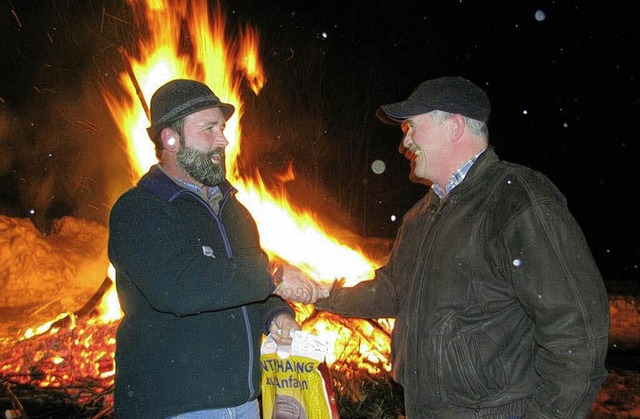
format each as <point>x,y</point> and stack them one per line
<point>286,233</point>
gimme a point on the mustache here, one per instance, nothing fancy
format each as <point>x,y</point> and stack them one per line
<point>216,152</point>
<point>415,149</point>
<point>412,150</point>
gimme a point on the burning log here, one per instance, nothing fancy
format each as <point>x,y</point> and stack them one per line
<point>135,83</point>
<point>95,300</point>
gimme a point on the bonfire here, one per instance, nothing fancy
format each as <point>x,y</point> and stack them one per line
<point>71,355</point>
<point>58,336</point>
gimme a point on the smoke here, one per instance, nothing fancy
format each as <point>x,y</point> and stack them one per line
<point>67,157</point>
<point>62,154</point>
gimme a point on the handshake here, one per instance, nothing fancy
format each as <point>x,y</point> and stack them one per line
<point>292,284</point>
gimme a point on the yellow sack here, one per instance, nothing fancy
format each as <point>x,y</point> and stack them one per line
<point>295,379</point>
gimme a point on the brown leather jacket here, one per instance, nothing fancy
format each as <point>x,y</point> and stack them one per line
<point>500,309</point>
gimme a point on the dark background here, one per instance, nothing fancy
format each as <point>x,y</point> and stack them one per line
<point>563,88</point>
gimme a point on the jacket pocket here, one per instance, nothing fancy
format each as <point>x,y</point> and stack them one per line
<point>471,369</point>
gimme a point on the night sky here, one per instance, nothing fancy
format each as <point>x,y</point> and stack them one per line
<point>559,74</point>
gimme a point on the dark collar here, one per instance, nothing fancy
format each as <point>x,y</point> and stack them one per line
<point>164,187</point>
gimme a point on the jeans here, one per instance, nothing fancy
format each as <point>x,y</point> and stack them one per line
<point>249,410</point>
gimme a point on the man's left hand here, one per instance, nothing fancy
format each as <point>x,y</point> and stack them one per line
<point>281,328</point>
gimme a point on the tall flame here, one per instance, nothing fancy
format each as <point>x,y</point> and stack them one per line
<point>187,40</point>
<point>288,234</point>
<point>296,238</point>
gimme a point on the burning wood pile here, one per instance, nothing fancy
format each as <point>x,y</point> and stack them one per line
<point>62,365</point>
<point>65,368</point>
<point>65,372</point>
<point>58,326</point>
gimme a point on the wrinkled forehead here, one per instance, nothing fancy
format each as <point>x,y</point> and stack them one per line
<point>205,116</point>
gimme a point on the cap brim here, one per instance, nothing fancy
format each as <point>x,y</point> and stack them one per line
<point>386,118</point>
<point>395,113</point>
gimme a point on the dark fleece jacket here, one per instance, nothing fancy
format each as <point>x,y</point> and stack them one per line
<point>196,295</point>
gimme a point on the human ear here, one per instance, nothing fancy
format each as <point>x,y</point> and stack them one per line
<point>455,127</point>
<point>169,139</point>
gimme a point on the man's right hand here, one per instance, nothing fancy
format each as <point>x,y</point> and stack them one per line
<point>298,287</point>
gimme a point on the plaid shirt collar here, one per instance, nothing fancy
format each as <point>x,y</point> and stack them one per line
<point>456,178</point>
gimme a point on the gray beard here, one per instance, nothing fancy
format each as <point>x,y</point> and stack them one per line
<point>200,167</point>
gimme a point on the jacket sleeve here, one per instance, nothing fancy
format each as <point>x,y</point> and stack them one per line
<point>149,245</point>
<point>272,308</point>
<point>558,284</point>
<point>384,295</point>
<point>370,299</point>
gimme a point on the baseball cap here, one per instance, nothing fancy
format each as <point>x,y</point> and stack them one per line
<point>449,94</point>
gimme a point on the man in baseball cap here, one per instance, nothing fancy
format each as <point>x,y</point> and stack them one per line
<point>500,310</point>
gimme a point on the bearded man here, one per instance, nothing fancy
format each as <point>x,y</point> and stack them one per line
<point>192,280</point>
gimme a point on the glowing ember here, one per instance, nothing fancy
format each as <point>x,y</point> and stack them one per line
<point>75,354</point>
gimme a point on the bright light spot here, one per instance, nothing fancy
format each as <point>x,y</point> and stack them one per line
<point>324,35</point>
<point>393,218</point>
<point>565,124</point>
<point>378,167</point>
<point>517,262</point>
<point>525,112</point>
<point>540,16</point>
<point>32,211</point>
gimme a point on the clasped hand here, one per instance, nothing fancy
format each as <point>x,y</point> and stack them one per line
<point>297,286</point>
